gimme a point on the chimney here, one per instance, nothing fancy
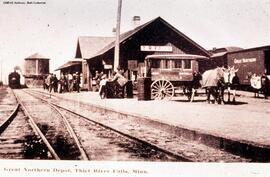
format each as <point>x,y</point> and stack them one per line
<point>114,31</point>
<point>136,21</point>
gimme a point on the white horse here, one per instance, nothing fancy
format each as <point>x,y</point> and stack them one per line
<point>211,81</point>
<point>217,80</point>
<point>231,81</point>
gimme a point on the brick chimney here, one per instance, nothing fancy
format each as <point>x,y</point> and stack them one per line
<point>136,21</point>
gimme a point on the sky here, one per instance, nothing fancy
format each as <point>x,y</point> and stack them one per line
<point>52,29</point>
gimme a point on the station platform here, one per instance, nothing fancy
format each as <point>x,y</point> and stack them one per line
<point>247,122</point>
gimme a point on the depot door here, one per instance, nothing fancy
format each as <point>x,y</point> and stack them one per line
<point>267,61</point>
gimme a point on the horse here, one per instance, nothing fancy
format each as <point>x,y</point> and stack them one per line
<point>212,81</point>
<point>190,89</point>
<point>217,80</point>
<point>231,82</point>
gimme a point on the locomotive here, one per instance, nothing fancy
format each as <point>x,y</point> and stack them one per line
<point>14,80</point>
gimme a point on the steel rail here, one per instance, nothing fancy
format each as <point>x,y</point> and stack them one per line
<point>126,135</point>
<point>69,128</point>
<point>72,133</point>
<point>38,131</point>
<point>10,118</point>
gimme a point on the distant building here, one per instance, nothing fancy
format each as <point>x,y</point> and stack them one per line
<point>36,68</point>
<point>154,37</point>
<point>219,56</point>
<point>71,66</point>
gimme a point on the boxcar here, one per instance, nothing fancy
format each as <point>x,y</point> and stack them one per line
<point>249,62</point>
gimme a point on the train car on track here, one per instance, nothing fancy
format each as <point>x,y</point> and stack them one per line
<point>14,80</point>
<point>249,62</point>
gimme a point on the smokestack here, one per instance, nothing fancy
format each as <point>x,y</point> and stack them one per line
<point>114,31</point>
<point>136,21</point>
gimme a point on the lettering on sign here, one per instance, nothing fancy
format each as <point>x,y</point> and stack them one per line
<point>244,60</point>
<point>156,48</point>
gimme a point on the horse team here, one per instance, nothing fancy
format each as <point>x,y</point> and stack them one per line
<point>217,80</point>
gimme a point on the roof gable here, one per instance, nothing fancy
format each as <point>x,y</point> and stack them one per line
<point>70,63</point>
<point>88,46</point>
<point>37,55</point>
<point>125,36</point>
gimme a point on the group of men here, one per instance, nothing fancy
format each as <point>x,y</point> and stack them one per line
<point>66,83</point>
<point>117,86</point>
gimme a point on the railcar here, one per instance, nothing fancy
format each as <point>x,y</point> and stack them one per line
<point>253,61</point>
<point>171,72</point>
<point>14,80</point>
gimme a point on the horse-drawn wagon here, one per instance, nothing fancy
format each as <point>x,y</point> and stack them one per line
<point>171,72</point>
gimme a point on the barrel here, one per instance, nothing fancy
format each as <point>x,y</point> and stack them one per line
<point>129,89</point>
<point>144,88</point>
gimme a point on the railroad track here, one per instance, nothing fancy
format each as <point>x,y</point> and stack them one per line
<point>167,141</point>
<point>102,142</point>
<point>51,125</point>
<point>18,137</point>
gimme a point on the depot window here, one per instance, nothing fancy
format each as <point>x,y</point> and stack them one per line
<point>187,64</point>
<point>177,64</point>
<point>156,63</point>
<point>166,64</point>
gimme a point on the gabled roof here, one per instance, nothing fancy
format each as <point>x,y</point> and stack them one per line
<point>217,52</point>
<point>127,35</point>
<point>36,56</point>
<point>266,47</point>
<point>88,46</point>
<point>70,63</point>
<point>225,49</point>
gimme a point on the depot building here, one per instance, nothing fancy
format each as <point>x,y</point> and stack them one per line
<point>152,38</point>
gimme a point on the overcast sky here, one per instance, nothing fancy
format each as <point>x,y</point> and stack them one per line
<point>53,29</point>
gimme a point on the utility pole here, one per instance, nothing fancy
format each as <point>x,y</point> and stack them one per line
<point>117,37</point>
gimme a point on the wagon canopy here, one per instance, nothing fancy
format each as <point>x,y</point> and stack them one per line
<point>177,57</point>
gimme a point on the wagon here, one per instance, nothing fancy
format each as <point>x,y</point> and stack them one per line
<point>171,72</point>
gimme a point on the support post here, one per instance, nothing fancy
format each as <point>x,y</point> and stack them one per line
<point>117,36</point>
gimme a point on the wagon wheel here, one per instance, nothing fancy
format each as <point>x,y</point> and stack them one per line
<point>162,89</point>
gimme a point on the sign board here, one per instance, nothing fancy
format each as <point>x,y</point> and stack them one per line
<point>244,60</point>
<point>107,66</point>
<point>154,48</point>
<point>132,64</point>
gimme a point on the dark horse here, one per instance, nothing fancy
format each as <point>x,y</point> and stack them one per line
<point>191,88</point>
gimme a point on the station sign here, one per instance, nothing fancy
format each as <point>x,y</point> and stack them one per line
<point>107,66</point>
<point>155,48</point>
<point>132,64</point>
<point>244,60</point>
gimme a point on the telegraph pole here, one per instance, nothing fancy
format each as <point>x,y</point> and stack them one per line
<point>117,37</point>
